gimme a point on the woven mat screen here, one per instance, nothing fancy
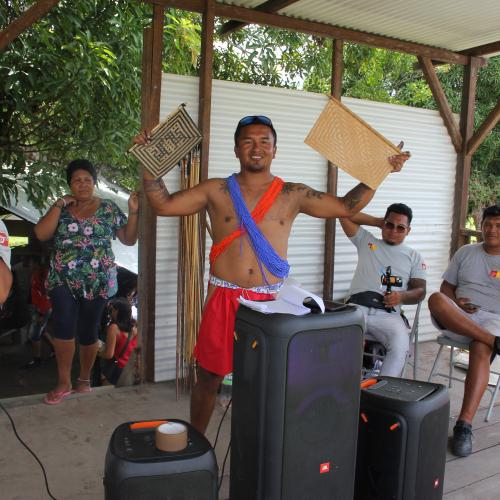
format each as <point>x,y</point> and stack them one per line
<point>171,141</point>
<point>351,144</point>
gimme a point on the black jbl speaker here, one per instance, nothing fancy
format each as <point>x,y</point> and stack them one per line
<point>295,405</point>
<point>403,434</point>
<point>135,469</point>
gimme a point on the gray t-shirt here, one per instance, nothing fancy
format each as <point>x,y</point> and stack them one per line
<point>476,274</point>
<point>4,244</point>
<point>374,255</point>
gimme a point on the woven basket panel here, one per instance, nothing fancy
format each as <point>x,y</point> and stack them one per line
<point>171,141</point>
<point>348,142</point>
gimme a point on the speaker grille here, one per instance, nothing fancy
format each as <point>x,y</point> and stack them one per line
<point>196,485</point>
<point>321,414</point>
<point>432,455</point>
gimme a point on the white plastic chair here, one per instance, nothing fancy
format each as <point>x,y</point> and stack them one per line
<point>443,341</point>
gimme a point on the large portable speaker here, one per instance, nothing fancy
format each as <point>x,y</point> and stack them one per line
<point>135,469</point>
<point>295,405</point>
<point>403,434</point>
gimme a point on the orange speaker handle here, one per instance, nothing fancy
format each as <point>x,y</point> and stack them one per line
<point>368,382</point>
<point>147,424</point>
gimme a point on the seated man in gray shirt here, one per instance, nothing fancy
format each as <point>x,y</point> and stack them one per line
<point>468,308</point>
<point>382,310</point>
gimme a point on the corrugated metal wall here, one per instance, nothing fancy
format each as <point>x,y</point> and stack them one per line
<point>426,185</point>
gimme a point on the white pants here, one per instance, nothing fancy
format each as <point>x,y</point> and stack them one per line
<point>391,331</point>
<point>488,320</point>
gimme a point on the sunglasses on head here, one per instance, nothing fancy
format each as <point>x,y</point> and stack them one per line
<point>400,228</point>
<point>250,120</point>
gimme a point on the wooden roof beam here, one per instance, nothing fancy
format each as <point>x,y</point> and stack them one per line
<point>23,22</point>
<point>318,29</point>
<point>482,50</point>
<point>269,6</point>
<point>486,127</point>
<point>479,51</point>
<point>441,101</point>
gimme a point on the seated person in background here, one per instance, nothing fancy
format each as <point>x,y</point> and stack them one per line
<point>42,309</point>
<point>127,287</point>
<point>468,308</point>
<point>5,273</point>
<point>121,339</point>
<point>382,310</point>
<point>15,313</point>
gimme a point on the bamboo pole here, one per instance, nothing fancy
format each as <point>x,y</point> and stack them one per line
<point>190,281</point>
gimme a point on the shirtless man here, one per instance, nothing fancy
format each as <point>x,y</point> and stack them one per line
<point>234,266</point>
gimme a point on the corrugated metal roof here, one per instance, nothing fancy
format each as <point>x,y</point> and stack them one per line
<point>426,184</point>
<point>450,24</point>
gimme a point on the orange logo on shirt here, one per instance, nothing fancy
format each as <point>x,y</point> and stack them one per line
<point>495,274</point>
<point>372,247</point>
<point>4,239</point>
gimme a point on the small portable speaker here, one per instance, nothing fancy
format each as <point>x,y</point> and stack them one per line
<point>135,469</point>
<point>402,439</point>
<point>295,405</point>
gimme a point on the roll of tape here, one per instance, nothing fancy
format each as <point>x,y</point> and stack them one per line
<point>171,436</point>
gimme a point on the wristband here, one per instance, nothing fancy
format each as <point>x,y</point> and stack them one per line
<point>59,206</point>
<point>134,213</point>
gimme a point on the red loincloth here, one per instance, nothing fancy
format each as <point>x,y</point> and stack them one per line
<point>214,348</point>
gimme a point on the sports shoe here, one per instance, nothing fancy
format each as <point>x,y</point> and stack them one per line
<point>461,445</point>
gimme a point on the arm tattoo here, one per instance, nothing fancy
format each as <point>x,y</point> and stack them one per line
<point>223,187</point>
<point>312,193</point>
<point>355,195</point>
<point>152,186</point>
<point>289,187</point>
<point>156,189</point>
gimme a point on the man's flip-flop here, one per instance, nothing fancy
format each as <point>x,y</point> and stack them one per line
<point>56,397</point>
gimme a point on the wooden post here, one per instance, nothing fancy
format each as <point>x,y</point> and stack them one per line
<point>482,132</point>
<point>150,116</point>
<point>464,158</point>
<point>205,100</point>
<point>332,177</point>
<point>205,83</point>
<point>441,101</point>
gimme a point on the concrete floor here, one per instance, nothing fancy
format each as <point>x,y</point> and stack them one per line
<point>71,440</point>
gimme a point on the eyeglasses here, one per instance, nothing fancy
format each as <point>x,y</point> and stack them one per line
<point>400,228</point>
<point>250,120</point>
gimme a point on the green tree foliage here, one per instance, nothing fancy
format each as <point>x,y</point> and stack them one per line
<point>70,86</point>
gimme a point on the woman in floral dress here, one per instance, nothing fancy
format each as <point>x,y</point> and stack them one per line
<point>82,270</point>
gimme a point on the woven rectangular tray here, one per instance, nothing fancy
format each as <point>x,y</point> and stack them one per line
<point>171,141</point>
<point>348,142</point>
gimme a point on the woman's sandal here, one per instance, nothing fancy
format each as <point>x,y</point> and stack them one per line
<point>82,386</point>
<point>56,397</point>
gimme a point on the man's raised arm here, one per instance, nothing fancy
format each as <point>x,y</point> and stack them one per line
<point>350,225</point>
<point>186,202</point>
<point>326,206</point>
